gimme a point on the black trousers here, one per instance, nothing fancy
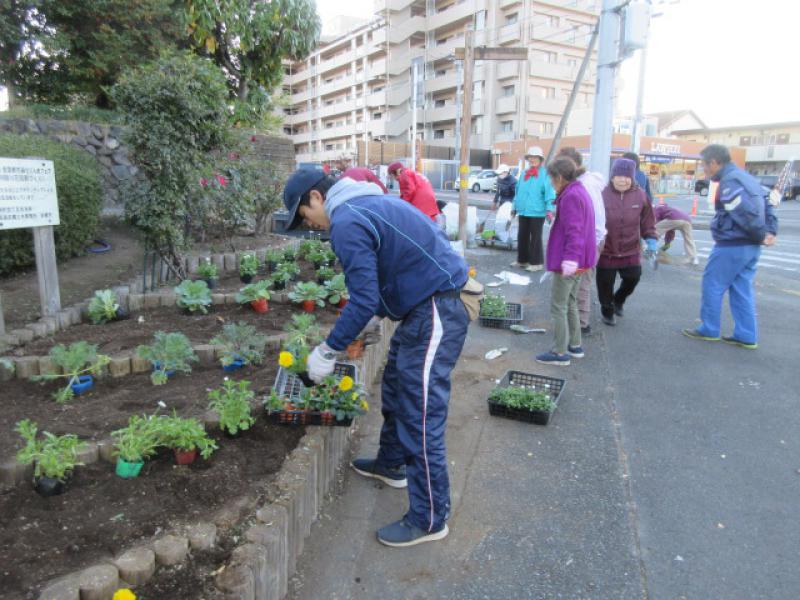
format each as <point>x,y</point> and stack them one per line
<point>529,240</point>
<point>605,286</point>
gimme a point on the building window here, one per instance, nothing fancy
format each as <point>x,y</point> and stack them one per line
<point>376,116</point>
<point>544,127</point>
<point>508,90</point>
<point>544,56</point>
<point>477,125</point>
<point>506,126</point>
<point>438,103</point>
<point>440,73</point>
<point>511,19</point>
<point>544,91</point>
<point>328,146</point>
<point>480,20</point>
<point>438,134</point>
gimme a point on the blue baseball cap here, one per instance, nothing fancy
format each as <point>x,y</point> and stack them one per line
<point>298,184</point>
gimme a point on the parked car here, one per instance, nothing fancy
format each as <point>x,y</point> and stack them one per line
<point>792,191</point>
<point>482,181</point>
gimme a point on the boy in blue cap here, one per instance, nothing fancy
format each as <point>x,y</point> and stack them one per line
<point>397,264</point>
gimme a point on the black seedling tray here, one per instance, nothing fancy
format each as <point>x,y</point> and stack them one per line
<point>537,383</point>
<point>288,385</point>
<point>513,316</point>
<point>305,417</point>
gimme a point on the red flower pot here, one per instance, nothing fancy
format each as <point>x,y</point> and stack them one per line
<point>342,303</point>
<point>260,305</point>
<point>185,457</point>
<point>309,305</point>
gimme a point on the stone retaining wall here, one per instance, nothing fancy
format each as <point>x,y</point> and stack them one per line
<point>104,142</point>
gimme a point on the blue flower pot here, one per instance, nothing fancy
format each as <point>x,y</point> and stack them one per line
<point>157,367</point>
<point>84,384</point>
<point>234,366</point>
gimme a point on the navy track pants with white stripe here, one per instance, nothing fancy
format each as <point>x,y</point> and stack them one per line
<point>415,395</point>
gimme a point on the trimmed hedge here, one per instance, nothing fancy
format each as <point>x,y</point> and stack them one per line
<point>80,198</point>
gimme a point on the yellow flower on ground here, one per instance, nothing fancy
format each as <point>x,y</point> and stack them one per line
<point>472,272</point>
<point>364,405</point>
<point>124,594</point>
<point>346,383</point>
<point>285,359</point>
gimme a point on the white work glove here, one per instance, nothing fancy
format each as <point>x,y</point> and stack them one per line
<point>321,362</point>
<point>568,268</point>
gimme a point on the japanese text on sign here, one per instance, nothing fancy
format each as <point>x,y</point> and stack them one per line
<point>27,193</point>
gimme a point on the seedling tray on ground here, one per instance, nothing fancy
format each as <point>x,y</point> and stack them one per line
<point>537,383</point>
<point>288,385</point>
<point>513,316</point>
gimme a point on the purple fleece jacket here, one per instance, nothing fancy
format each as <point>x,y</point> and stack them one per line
<point>572,235</point>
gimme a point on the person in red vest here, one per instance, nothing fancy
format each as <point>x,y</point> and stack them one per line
<point>364,174</point>
<point>415,189</point>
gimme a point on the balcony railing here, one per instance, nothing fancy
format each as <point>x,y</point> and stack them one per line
<point>509,33</point>
<point>453,14</point>
<point>550,106</point>
<point>505,105</point>
<point>405,29</point>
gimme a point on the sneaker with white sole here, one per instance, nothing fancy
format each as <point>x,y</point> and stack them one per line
<point>534,268</point>
<point>402,533</point>
<point>575,351</point>
<point>520,265</point>
<point>553,358</point>
<point>370,467</point>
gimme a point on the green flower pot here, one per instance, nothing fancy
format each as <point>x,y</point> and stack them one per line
<point>128,470</point>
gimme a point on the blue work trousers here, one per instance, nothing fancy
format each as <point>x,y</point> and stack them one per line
<point>730,269</point>
<point>415,395</point>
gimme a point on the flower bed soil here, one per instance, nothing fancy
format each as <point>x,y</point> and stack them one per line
<point>118,336</point>
<point>109,404</point>
<point>100,515</point>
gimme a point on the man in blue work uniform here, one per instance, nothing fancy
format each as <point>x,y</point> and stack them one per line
<point>744,221</point>
<point>397,264</point>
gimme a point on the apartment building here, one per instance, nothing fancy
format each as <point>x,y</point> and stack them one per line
<point>768,146</point>
<point>358,86</point>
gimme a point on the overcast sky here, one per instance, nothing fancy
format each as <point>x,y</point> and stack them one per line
<point>731,62</point>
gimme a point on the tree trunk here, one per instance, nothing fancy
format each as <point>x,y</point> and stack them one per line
<point>244,89</point>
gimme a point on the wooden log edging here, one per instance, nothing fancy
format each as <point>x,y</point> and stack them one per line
<point>262,564</point>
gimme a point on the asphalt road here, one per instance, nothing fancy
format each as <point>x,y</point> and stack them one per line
<point>671,469</point>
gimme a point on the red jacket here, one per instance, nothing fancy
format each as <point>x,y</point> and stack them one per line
<point>364,174</point>
<point>417,190</point>
<point>629,217</point>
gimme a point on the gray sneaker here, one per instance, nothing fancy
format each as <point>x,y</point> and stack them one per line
<point>370,467</point>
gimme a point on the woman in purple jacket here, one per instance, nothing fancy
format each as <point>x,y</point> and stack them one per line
<point>629,217</point>
<point>571,250</point>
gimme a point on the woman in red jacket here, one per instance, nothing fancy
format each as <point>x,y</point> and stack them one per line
<point>629,217</point>
<point>415,189</point>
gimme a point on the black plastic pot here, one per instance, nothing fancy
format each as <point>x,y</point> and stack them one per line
<point>211,283</point>
<point>245,278</point>
<point>49,486</point>
<point>122,314</point>
<point>231,436</point>
<point>279,285</point>
<point>270,266</point>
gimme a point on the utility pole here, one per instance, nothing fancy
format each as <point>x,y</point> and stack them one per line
<point>603,114</point>
<point>575,90</point>
<point>636,138</point>
<point>414,84</point>
<point>468,54</point>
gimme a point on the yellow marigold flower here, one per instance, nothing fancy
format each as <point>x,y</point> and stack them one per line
<point>472,272</point>
<point>346,383</point>
<point>124,594</point>
<point>285,359</point>
<point>364,405</point>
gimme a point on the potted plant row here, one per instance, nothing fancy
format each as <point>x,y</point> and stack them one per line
<point>336,400</point>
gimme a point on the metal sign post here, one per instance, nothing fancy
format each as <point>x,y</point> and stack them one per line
<point>28,199</point>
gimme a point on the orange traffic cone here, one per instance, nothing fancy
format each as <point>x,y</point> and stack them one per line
<point>694,206</point>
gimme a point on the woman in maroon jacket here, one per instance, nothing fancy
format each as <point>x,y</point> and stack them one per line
<point>629,217</point>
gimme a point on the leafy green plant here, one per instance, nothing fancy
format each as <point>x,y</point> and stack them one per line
<point>292,268</point>
<point>176,116</point>
<point>240,341</point>
<point>308,291</point>
<point>80,358</point>
<point>254,291</point>
<point>248,265</point>
<point>290,253</point>
<point>207,270</point>
<point>522,398</point>
<point>336,289</point>
<point>330,256</point>
<point>184,434</point>
<point>103,307</point>
<point>138,440</point>
<point>54,456</point>
<point>325,273</point>
<point>193,295</point>
<point>168,352</point>
<point>308,246</point>
<point>339,396</point>
<point>232,403</point>
<point>274,255</point>
<point>317,255</point>
<point>303,330</point>
<point>493,305</point>
<point>280,277</point>
<point>80,198</point>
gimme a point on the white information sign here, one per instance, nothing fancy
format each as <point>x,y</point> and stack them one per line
<point>27,193</point>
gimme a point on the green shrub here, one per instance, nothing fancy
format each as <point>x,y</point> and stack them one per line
<point>80,198</point>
